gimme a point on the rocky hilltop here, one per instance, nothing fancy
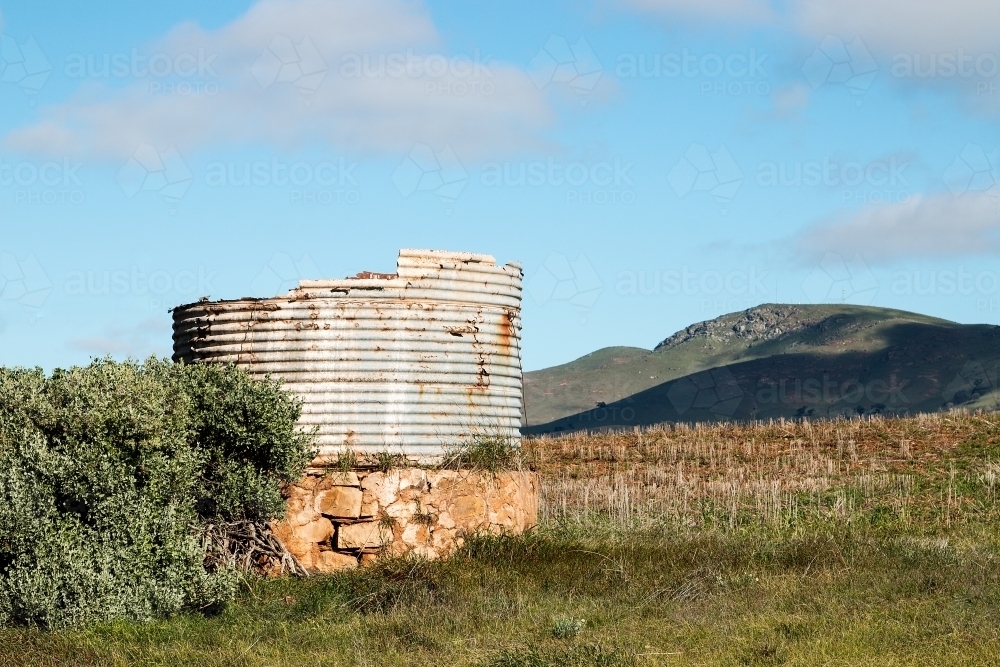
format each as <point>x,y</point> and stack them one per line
<point>763,322</point>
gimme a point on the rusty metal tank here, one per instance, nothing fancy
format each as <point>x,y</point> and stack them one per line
<point>412,363</point>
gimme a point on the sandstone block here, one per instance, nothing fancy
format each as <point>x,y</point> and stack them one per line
<point>299,503</point>
<point>369,493</point>
<point>316,531</point>
<point>340,502</point>
<point>443,539</point>
<point>372,480</point>
<point>468,510</point>
<point>295,545</point>
<point>409,494</point>
<point>366,535</point>
<point>388,489</point>
<point>331,561</point>
<point>415,534</point>
<point>342,479</point>
<point>413,477</point>
<point>445,520</point>
<point>505,518</point>
<point>401,511</point>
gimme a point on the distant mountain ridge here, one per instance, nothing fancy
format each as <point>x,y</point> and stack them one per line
<point>774,360</point>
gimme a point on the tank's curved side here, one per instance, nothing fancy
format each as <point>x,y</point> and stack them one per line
<point>411,364</point>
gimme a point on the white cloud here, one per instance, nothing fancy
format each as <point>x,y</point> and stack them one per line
<point>886,26</point>
<point>948,46</point>
<point>909,26</point>
<point>485,110</point>
<point>938,225</point>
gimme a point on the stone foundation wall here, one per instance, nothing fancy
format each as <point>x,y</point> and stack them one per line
<point>337,520</point>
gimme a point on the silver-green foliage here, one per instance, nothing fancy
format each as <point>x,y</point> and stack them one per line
<point>107,473</point>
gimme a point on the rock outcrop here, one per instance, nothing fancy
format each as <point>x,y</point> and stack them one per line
<point>749,326</point>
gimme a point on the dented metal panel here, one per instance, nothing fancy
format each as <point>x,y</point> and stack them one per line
<point>411,363</point>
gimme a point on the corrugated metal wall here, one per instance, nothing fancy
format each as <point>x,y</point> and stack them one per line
<point>411,363</point>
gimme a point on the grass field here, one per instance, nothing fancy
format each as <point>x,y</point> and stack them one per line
<point>792,543</point>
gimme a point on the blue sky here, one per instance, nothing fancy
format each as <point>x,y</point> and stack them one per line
<point>652,163</point>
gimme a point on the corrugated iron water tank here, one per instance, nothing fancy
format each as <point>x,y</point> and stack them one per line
<point>411,363</point>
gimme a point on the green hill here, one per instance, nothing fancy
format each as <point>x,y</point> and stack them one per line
<point>772,361</point>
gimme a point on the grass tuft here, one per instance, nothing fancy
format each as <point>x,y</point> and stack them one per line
<point>489,452</point>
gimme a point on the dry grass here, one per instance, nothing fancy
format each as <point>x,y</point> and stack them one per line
<point>930,469</point>
<point>868,542</point>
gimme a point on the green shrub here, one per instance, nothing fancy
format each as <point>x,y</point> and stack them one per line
<point>109,471</point>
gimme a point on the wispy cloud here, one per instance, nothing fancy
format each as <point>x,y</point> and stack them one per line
<point>291,72</point>
<point>925,226</point>
<point>948,46</point>
<point>886,26</point>
<point>889,26</point>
